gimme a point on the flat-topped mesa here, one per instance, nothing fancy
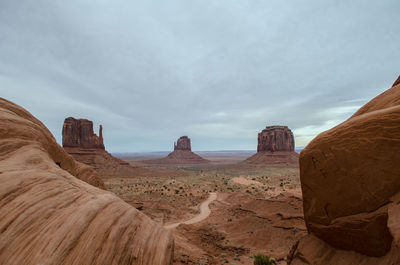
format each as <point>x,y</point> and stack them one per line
<point>275,138</point>
<point>183,143</point>
<point>79,133</point>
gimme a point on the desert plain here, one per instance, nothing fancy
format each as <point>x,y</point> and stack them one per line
<point>258,208</point>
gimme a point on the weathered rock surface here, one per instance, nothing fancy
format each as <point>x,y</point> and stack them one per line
<point>275,146</point>
<point>20,130</point>
<point>85,146</point>
<point>275,139</point>
<point>79,133</point>
<point>49,216</point>
<point>351,188</point>
<point>182,154</point>
<point>183,143</point>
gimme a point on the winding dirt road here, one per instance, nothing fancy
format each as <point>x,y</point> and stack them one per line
<point>204,212</point>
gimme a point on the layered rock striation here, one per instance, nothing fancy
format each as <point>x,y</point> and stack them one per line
<point>275,146</point>
<point>48,215</point>
<point>351,188</point>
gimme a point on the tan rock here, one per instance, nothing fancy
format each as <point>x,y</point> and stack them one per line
<point>49,216</point>
<point>349,176</point>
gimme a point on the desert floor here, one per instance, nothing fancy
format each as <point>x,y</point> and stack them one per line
<point>255,209</point>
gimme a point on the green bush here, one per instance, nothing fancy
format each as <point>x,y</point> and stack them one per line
<point>261,259</point>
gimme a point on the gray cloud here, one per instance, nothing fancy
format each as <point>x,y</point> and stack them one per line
<point>218,71</point>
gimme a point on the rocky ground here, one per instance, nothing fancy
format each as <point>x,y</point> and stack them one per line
<point>258,208</point>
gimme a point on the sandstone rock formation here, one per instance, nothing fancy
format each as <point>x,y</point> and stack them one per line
<point>182,154</point>
<point>79,133</point>
<point>183,143</point>
<point>84,145</point>
<point>275,139</point>
<point>49,216</point>
<point>351,188</point>
<point>275,146</point>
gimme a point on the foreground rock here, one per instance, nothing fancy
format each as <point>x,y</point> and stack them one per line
<point>84,145</point>
<point>275,146</point>
<point>181,155</point>
<point>49,216</point>
<point>396,82</point>
<point>351,188</point>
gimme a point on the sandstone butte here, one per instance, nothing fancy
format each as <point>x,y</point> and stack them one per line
<point>80,141</point>
<point>275,146</point>
<point>49,214</point>
<point>351,188</point>
<point>182,154</point>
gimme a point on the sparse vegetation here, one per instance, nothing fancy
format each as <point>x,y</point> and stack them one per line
<point>261,259</point>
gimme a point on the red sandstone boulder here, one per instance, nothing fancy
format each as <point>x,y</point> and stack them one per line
<point>49,216</point>
<point>351,188</point>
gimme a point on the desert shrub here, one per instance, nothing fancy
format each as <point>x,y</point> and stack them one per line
<point>261,259</point>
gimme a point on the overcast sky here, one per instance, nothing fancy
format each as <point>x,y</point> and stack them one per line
<point>218,71</point>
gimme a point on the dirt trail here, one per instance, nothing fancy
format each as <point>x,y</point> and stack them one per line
<point>204,212</point>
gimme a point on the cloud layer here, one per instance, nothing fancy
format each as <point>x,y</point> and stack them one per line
<point>218,71</point>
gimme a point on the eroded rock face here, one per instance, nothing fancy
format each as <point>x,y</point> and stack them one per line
<point>275,139</point>
<point>85,146</point>
<point>79,133</point>
<point>275,147</point>
<point>183,143</point>
<point>49,216</point>
<point>350,177</point>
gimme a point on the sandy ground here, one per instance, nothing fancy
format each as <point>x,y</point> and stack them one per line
<point>258,209</point>
<point>244,181</point>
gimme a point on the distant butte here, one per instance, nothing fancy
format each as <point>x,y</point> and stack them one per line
<point>182,154</point>
<point>183,144</point>
<point>275,146</point>
<point>85,146</point>
<point>79,133</point>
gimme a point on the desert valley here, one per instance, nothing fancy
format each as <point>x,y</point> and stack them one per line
<point>78,204</point>
<point>199,132</point>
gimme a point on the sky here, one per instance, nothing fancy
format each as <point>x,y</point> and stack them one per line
<point>218,71</point>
